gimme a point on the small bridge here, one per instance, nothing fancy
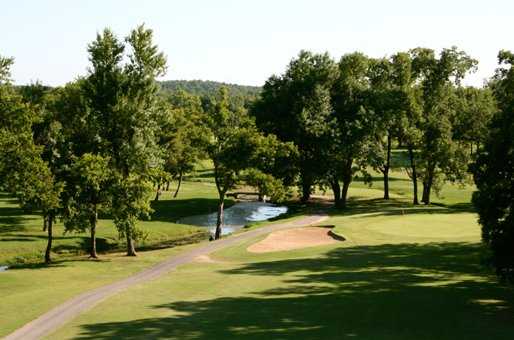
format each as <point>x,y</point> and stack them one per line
<point>246,193</point>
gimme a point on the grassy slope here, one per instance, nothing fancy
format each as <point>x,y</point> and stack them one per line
<point>404,273</point>
<point>32,289</point>
<point>23,240</point>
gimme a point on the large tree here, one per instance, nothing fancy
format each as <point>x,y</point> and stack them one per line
<point>181,135</point>
<point>88,194</point>
<point>122,94</point>
<point>494,174</point>
<point>355,123</point>
<point>407,105</point>
<point>440,157</point>
<point>296,107</point>
<point>383,102</point>
<point>26,169</point>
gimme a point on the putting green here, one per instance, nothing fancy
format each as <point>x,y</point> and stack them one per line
<point>437,226</point>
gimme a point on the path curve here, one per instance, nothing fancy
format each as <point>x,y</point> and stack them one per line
<point>65,312</point>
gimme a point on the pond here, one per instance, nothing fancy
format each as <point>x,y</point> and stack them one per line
<point>237,216</point>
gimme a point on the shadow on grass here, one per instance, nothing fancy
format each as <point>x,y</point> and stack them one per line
<point>380,179</point>
<point>406,291</point>
<point>12,219</point>
<point>173,210</point>
<point>103,246</point>
<point>396,206</point>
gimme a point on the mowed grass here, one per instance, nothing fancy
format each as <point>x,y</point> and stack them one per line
<point>30,288</point>
<point>23,241</point>
<point>404,273</point>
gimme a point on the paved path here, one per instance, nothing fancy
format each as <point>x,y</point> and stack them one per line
<point>65,312</point>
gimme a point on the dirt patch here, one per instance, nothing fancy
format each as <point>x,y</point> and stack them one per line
<point>293,239</point>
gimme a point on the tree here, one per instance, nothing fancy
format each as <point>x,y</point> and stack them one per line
<point>475,108</point>
<point>266,184</point>
<point>234,144</point>
<point>440,157</point>
<point>382,101</point>
<point>182,135</point>
<point>23,170</point>
<point>407,98</point>
<point>355,123</point>
<point>494,174</point>
<point>296,107</point>
<point>90,177</point>
<point>123,100</point>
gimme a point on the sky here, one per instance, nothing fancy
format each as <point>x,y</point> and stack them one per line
<point>247,41</point>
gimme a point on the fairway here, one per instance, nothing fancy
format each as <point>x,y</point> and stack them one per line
<point>402,274</point>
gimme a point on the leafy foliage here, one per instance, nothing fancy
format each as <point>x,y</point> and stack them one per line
<point>494,174</point>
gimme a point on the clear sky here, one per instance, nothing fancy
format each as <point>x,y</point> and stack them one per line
<point>246,41</point>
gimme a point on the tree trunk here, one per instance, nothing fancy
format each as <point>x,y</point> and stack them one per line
<point>344,193</point>
<point>92,251</point>
<point>387,166</point>
<point>44,224</point>
<point>306,192</point>
<point>49,228</point>
<point>158,192</point>
<point>168,186</point>
<point>347,179</point>
<point>424,197</point>
<point>427,185</point>
<point>336,189</point>
<point>414,175</point>
<point>178,186</point>
<point>131,250</point>
<point>219,221</point>
<point>306,189</point>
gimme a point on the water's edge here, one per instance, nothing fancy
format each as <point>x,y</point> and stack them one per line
<point>237,216</point>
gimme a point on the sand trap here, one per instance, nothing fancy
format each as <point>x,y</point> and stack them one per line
<point>204,259</point>
<point>293,239</point>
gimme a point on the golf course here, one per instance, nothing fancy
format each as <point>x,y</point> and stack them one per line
<point>402,272</point>
<point>256,170</point>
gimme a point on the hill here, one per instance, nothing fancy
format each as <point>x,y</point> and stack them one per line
<point>207,87</point>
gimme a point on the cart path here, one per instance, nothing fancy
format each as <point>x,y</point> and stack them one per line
<point>65,312</point>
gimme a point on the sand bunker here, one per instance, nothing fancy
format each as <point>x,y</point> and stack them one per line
<point>293,239</point>
<point>205,259</point>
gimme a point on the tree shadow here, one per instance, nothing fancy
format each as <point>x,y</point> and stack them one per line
<point>173,210</point>
<point>396,206</point>
<point>405,291</point>
<point>13,219</point>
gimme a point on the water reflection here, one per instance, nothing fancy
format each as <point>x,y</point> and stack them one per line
<point>237,216</point>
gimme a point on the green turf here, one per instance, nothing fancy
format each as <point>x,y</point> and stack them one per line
<point>31,288</point>
<point>22,240</point>
<point>419,283</point>
<point>404,273</point>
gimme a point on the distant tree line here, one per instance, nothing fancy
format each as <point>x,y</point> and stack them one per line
<point>239,95</point>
